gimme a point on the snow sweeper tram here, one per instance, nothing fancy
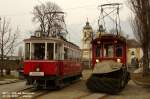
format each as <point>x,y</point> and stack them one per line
<point>110,72</point>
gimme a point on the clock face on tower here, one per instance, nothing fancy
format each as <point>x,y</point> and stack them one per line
<point>87,35</point>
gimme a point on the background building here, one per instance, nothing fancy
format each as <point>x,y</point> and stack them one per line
<point>86,45</point>
<point>134,51</point>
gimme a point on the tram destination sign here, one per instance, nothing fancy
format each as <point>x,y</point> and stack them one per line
<point>36,73</point>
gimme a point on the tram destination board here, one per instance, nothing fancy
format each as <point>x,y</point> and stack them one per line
<point>36,73</point>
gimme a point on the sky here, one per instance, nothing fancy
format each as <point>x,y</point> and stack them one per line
<point>19,12</point>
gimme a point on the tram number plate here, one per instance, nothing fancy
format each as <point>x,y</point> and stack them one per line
<point>36,73</point>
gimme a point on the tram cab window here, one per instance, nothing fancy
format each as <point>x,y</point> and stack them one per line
<point>108,50</point>
<point>27,50</point>
<point>98,51</point>
<point>118,51</point>
<point>39,51</point>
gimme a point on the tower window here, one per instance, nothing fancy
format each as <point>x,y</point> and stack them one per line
<point>132,53</point>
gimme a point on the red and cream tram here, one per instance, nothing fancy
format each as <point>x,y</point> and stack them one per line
<point>110,73</point>
<point>51,62</point>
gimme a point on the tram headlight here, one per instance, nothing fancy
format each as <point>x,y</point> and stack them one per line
<point>97,60</point>
<point>118,60</point>
<point>37,69</point>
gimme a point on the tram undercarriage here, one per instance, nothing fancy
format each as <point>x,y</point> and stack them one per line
<point>51,82</point>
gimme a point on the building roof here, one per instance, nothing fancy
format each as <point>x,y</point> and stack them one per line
<point>132,43</point>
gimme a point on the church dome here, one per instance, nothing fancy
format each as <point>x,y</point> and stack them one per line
<point>87,26</point>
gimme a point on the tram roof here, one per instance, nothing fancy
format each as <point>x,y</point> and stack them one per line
<point>34,39</point>
<point>110,37</point>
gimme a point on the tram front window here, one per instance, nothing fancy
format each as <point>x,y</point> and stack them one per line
<point>39,51</point>
<point>118,51</point>
<point>98,52</point>
<point>108,50</point>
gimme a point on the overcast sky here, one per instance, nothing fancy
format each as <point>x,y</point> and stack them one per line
<point>77,12</point>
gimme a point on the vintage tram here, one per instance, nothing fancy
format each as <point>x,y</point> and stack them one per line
<point>110,74</point>
<point>51,62</point>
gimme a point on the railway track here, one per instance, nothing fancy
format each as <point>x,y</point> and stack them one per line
<point>11,82</point>
<point>92,96</point>
<point>40,93</point>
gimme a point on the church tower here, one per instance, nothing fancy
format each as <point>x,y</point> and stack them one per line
<point>86,43</point>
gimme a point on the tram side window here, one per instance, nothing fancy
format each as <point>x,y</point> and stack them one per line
<point>65,53</point>
<point>57,51</point>
<point>118,51</point>
<point>27,51</point>
<point>108,50</point>
<point>50,51</point>
<point>78,55</point>
<point>98,52</point>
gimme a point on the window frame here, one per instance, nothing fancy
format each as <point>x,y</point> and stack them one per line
<point>112,48</point>
<point>100,51</point>
<point>116,51</point>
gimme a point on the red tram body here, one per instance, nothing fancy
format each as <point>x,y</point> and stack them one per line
<point>51,62</point>
<point>108,42</point>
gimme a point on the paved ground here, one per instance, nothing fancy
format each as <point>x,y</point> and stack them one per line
<point>11,87</point>
<point>132,91</point>
<point>74,91</point>
<point>78,90</point>
<point>8,81</point>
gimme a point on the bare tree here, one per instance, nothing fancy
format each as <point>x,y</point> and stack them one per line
<point>50,17</point>
<point>141,27</point>
<point>7,40</point>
